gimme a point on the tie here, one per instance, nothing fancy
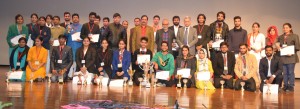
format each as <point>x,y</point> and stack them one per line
<point>185,36</point>
<point>225,64</point>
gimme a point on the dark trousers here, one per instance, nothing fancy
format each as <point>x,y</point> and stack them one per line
<point>168,83</point>
<point>228,83</point>
<point>250,84</point>
<point>188,84</point>
<point>136,77</point>
<point>289,75</point>
<point>277,80</point>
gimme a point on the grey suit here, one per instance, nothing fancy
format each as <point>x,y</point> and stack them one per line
<point>292,39</point>
<point>192,38</point>
<point>67,60</point>
<point>159,39</point>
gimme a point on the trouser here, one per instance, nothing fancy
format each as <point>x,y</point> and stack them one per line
<point>228,83</point>
<point>250,84</point>
<point>277,80</point>
<point>289,75</point>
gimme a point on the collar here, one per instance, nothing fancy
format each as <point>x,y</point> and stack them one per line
<point>145,50</point>
<point>235,29</point>
<point>269,59</point>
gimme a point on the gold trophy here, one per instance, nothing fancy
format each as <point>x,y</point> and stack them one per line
<point>185,81</point>
<point>242,84</point>
<point>222,83</point>
<point>131,72</point>
<point>125,81</point>
<point>179,81</point>
<point>146,67</point>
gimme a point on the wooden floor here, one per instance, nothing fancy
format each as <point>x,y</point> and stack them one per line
<point>53,96</point>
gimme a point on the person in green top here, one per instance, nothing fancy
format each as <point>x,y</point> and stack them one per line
<point>164,60</point>
<point>14,30</point>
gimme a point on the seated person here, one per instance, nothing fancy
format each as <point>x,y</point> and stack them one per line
<point>37,59</point>
<point>104,59</point>
<point>164,60</point>
<point>61,60</point>
<point>204,66</point>
<point>139,72</point>
<point>186,60</point>
<point>245,69</point>
<point>18,57</point>
<point>121,61</point>
<point>85,59</point>
<point>223,65</point>
<point>270,68</point>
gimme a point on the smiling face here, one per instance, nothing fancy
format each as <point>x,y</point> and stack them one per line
<point>122,45</point>
<point>20,20</point>
<point>286,29</point>
<point>185,52</point>
<point>255,28</point>
<point>201,54</point>
<point>22,43</point>
<point>86,42</point>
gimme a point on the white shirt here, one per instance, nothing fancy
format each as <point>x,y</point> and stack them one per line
<point>258,42</point>
<point>176,30</point>
<point>269,67</point>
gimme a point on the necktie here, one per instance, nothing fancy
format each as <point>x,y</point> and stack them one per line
<point>225,64</point>
<point>185,36</point>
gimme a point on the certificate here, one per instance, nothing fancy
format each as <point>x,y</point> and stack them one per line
<point>116,83</point>
<point>203,76</point>
<point>288,50</point>
<point>15,75</point>
<point>87,77</point>
<point>95,38</point>
<point>76,36</point>
<point>217,44</point>
<point>164,75</point>
<point>185,72</point>
<point>55,43</point>
<point>15,40</point>
<point>143,58</point>
<point>30,41</point>
<point>272,88</point>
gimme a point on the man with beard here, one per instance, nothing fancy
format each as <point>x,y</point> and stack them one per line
<point>118,32</point>
<point>175,27</point>
<point>245,69</point>
<point>97,20</point>
<point>218,31</point>
<point>164,34</point>
<point>270,68</point>
<point>202,32</point>
<point>143,31</point>
<point>89,29</point>
<point>67,17</point>
<point>236,35</point>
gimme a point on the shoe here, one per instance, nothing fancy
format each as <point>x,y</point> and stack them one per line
<point>291,89</point>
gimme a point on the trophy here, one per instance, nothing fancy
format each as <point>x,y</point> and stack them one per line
<point>185,81</point>
<point>222,83</point>
<point>146,67</point>
<point>140,80</point>
<point>242,84</point>
<point>179,81</point>
<point>125,81</point>
<point>131,72</point>
<point>60,77</point>
<point>49,78</point>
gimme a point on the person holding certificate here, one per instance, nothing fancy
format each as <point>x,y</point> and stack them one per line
<point>121,61</point>
<point>16,30</point>
<point>164,63</point>
<point>185,62</point>
<point>136,64</point>
<point>85,59</point>
<point>204,71</point>
<point>18,57</point>
<point>37,59</point>
<point>91,30</point>
<point>104,59</point>
<point>286,40</point>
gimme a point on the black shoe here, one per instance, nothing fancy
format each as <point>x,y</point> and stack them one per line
<point>291,89</point>
<point>70,78</point>
<point>285,88</point>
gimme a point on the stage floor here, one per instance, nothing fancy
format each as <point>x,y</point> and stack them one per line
<point>53,96</point>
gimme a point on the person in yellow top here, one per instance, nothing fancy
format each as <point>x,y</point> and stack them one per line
<point>37,58</point>
<point>204,65</point>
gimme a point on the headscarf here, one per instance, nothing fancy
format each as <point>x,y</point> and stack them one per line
<point>271,38</point>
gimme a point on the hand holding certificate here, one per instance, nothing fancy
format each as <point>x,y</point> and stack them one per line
<point>55,43</point>
<point>203,76</point>
<point>288,50</point>
<point>164,75</point>
<point>185,72</point>
<point>95,38</point>
<point>217,43</point>
<point>15,39</point>
<point>76,36</point>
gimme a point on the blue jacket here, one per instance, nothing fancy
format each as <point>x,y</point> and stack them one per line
<point>125,62</point>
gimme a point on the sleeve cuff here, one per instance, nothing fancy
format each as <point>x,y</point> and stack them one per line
<point>274,76</point>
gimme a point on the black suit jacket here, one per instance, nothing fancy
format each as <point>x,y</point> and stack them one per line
<point>276,67</point>
<point>218,64</point>
<point>134,58</point>
<point>67,58</point>
<point>107,58</point>
<point>90,58</point>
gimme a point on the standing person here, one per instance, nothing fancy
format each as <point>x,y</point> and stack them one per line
<point>164,34</point>
<point>34,20</point>
<point>121,61</point>
<point>137,22</point>
<point>56,30</point>
<point>42,30</point>
<point>143,31</point>
<point>49,22</point>
<point>16,29</point>
<point>223,65</point>
<point>236,35</point>
<point>187,35</point>
<point>37,59</point>
<point>67,17</point>
<point>105,33</point>
<point>89,29</point>
<point>104,59</point>
<point>175,28</point>
<point>202,32</point>
<point>117,30</point>
<point>288,38</point>
<point>18,57</point>
<point>97,20</point>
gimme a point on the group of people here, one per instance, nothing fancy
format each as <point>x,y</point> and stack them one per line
<point>232,56</point>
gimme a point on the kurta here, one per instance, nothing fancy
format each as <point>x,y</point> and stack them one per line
<point>206,64</point>
<point>75,27</point>
<point>40,55</point>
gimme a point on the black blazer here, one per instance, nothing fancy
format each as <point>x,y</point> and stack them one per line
<point>191,63</point>
<point>134,58</point>
<point>276,67</point>
<point>85,32</point>
<point>89,59</point>
<point>218,64</point>
<point>67,58</point>
<point>107,57</point>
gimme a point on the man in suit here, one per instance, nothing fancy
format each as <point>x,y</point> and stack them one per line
<point>61,60</point>
<point>175,27</point>
<point>136,23</point>
<point>187,35</point>
<point>143,31</point>
<point>223,66</point>
<point>164,34</point>
<point>67,17</point>
<point>270,68</point>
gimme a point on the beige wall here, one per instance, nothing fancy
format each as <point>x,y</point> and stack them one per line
<point>266,12</point>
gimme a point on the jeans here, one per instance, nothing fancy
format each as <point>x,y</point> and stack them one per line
<point>55,78</point>
<point>289,75</point>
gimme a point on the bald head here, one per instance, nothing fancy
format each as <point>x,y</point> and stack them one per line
<point>165,24</point>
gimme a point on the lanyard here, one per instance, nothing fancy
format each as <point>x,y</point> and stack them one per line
<point>20,55</point>
<point>104,56</point>
<point>90,27</point>
<point>200,30</point>
<point>121,56</point>
<point>60,52</point>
